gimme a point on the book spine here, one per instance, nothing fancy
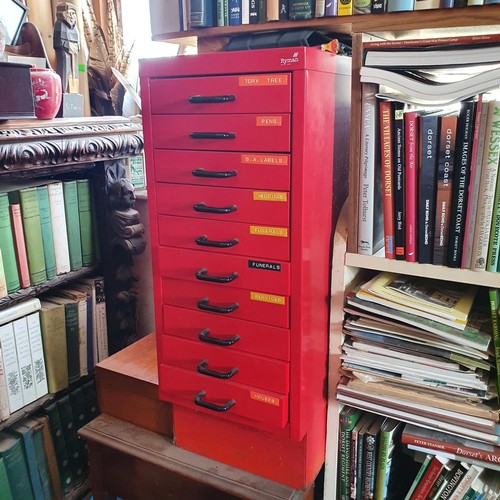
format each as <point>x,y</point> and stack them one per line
<point>5,489</point>
<point>47,236</point>
<point>465,483</point>
<point>423,42</point>
<point>345,7</point>
<point>452,481</point>
<point>30,211</point>
<point>411,184</point>
<point>245,11</point>
<point>475,175</point>
<point>300,9</point>
<point>90,334</point>
<point>399,181</point>
<point>72,341</point>
<point>429,134</point>
<point>262,10</point>
<point>58,220</point>
<point>4,393</point>
<point>331,8</point>
<point>272,10</point>
<point>26,370</point>
<point>446,157</point>
<point>20,245</point>
<point>72,224</point>
<point>19,310</point>
<point>385,116</point>
<point>90,397</point>
<point>40,458</point>
<point>37,354</point>
<point>494,243</point>
<point>431,474</point>
<point>426,4</point>
<point>360,7</point>
<point>82,336</point>
<point>234,12</point>
<point>419,476</point>
<point>283,13</point>
<point>347,422</point>
<point>3,282</point>
<point>370,225</point>
<point>220,13</point>
<point>369,465</point>
<point>489,171</point>
<point>201,14</point>
<point>254,12</point>
<point>461,176</point>
<point>494,296</point>
<point>319,8</point>
<point>7,246</point>
<point>400,5</point>
<point>101,320</point>
<point>85,216</point>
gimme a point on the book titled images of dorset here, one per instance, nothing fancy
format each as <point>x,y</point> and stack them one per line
<point>429,183</point>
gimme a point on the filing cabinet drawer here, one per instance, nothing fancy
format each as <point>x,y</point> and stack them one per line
<point>252,305</point>
<point>268,242</point>
<point>222,94</point>
<point>228,333</point>
<point>232,170</point>
<point>237,205</point>
<point>228,366</point>
<point>222,398</point>
<point>262,132</point>
<point>225,270</point>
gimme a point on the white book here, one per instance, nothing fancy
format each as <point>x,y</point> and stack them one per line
<point>58,220</point>
<point>18,310</point>
<point>23,350</point>
<point>370,216</point>
<point>245,11</point>
<point>466,482</point>
<point>3,283</point>
<point>37,354</point>
<point>4,395</point>
<point>11,367</point>
<point>489,172</point>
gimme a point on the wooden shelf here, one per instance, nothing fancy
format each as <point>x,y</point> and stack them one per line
<point>457,19</point>
<point>482,278</point>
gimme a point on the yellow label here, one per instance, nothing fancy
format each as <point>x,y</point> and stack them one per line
<point>269,196</point>
<point>266,297</point>
<point>264,398</point>
<point>282,232</point>
<point>263,80</point>
<point>268,121</point>
<point>252,159</point>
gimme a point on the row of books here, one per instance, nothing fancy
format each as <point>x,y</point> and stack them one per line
<point>46,230</point>
<point>41,456</point>
<point>210,13</point>
<point>48,344</point>
<point>378,461</point>
<point>429,183</point>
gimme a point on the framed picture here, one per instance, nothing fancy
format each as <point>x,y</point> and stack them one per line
<point>12,16</point>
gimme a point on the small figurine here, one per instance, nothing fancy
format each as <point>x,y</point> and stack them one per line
<point>67,44</point>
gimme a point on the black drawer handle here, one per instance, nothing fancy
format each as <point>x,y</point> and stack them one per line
<point>205,306</point>
<point>212,135</point>
<point>202,207</point>
<point>205,242</point>
<point>199,400</point>
<point>211,99</point>
<point>203,276</point>
<point>204,337</point>
<point>202,368</point>
<point>201,172</point>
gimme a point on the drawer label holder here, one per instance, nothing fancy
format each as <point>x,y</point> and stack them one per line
<point>264,398</point>
<point>267,297</point>
<point>281,232</point>
<point>270,196</point>
<point>264,266</point>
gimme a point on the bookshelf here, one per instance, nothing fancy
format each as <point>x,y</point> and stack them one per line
<point>476,20</point>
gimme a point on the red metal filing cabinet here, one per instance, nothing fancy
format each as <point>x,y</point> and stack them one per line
<point>242,193</point>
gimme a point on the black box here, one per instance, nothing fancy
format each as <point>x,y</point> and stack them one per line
<point>16,96</point>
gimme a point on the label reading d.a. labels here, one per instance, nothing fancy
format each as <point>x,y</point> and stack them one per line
<point>253,159</point>
<point>265,266</point>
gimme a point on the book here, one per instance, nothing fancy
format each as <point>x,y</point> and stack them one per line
<point>58,221</point>
<point>461,176</point>
<point>444,179</point>
<point>11,451</point>
<point>465,483</point>
<point>90,397</point>
<point>357,452</point>
<point>427,186</point>
<point>370,449</point>
<point>5,491</point>
<point>7,246</point>
<point>37,354</point>
<point>489,172</point>
<point>53,326</point>
<point>300,9</point>
<point>234,12</point>
<point>272,10</point>
<point>253,14</point>
<point>461,41</point>
<point>4,395</point>
<point>319,9</point>
<point>361,7</point>
<point>399,181</point>
<point>348,418</point>
<point>345,8</point>
<point>370,222</point>
<point>494,242</point>
<point>331,7</point>
<point>419,475</point>
<point>245,12</point>
<point>430,475</point>
<point>414,56</point>
<point>387,161</point>
<point>20,245</point>
<point>26,369</point>
<point>27,198</point>
<point>426,4</point>
<point>47,236</point>
<point>379,6</point>
<point>494,296</point>
<point>72,224</point>
<point>3,282</point>
<point>201,14</point>
<point>400,5</point>
<point>411,130</point>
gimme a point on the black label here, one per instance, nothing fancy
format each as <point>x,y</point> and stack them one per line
<point>265,266</point>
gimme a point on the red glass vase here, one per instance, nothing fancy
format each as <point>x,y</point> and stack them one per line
<point>47,92</point>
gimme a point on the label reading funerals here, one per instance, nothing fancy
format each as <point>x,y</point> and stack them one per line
<point>281,232</point>
<point>265,266</point>
<point>263,80</point>
<point>252,159</point>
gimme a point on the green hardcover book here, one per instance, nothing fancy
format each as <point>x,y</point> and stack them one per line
<point>300,9</point>
<point>348,417</point>
<point>61,451</point>
<point>47,237</point>
<point>72,335</point>
<point>74,445</point>
<point>494,244</point>
<point>90,397</point>
<point>73,224</point>
<point>7,246</point>
<point>419,475</point>
<point>11,450</point>
<point>494,295</point>
<point>30,210</point>
<point>77,401</point>
<point>5,491</point>
<point>86,227</point>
